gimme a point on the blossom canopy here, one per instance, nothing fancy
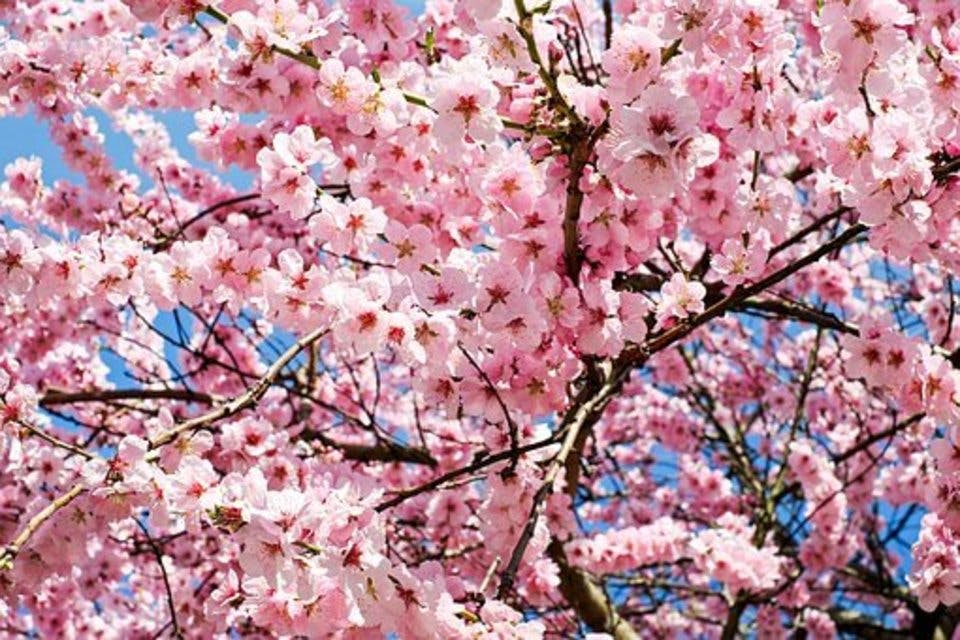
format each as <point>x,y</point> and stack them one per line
<point>526,319</point>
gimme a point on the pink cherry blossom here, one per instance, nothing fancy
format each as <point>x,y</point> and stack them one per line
<point>464,102</point>
<point>660,121</point>
<point>632,60</point>
<point>341,88</point>
<point>285,170</point>
<point>739,261</point>
<point>485,320</point>
<point>680,298</point>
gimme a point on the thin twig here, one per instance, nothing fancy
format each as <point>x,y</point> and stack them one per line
<point>514,430</point>
<point>486,461</point>
<point>158,554</point>
<point>241,402</point>
<point>55,441</point>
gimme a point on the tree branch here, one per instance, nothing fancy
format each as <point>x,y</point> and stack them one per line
<point>241,402</point>
<point>637,354</point>
<point>481,463</point>
<point>54,397</point>
<point>877,437</point>
<point>585,410</point>
<point>572,256</point>
<point>587,598</point>
<point>158,554</point>
<point>11,550</point>
<point>512,426</point>
<point>55,441</point>
<point>383,451</point>
<point>732,624</point>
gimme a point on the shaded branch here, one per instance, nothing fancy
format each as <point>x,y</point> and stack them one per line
<point>585,410</point>
<point>572,256</point>
<point>732,624</point>
<point>801,312</point>
<point>55,397</point>
<point>481,463</point>
<point>383,451</point>
<point>864,626</point>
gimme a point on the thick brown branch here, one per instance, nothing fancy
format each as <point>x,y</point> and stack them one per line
<point>572,256</point>
<point>863,626</point>
<point>641,282</point>
<point>947,169</point>
<point>587,598</point>
<point>799,173</point>
<point>583,413</point>
<point>800,312</point>
<point>55,397</point>
<point>732,624</point>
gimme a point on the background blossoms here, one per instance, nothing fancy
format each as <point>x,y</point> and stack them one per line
<point>602,319</point>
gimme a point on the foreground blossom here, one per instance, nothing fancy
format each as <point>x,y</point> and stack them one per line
<point>501,320</point>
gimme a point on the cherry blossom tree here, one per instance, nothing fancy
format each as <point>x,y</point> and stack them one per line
<point>539,318</point>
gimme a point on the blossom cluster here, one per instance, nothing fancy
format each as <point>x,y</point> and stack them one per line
<point>524,319</point>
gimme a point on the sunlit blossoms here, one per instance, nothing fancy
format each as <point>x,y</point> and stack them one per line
<point>285,170</point>
<point>480,320</point>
